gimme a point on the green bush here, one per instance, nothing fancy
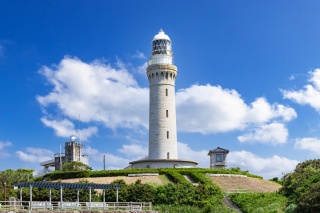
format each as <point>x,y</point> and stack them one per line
<point>259,202</point>
<point>176,177</point>
<point>302,187</point>
<point>66,175</point>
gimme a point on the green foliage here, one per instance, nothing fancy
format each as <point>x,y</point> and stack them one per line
<point>170,172</point>
<point>176,177</point>
<point>276,179</point>
<point>194,209</point>
<point>259,202</point>
<point>75,166</point>
<point>302,187</point>
<point>11,177</point>
<point>56,175</point>
<point>69,195</point>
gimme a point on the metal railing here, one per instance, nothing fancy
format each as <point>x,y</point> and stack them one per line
<point>233,191</point>
<point>55,205</point>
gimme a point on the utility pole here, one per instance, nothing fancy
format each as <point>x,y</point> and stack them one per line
<point>5,192</point>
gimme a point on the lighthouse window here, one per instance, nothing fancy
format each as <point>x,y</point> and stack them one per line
<point>167,134</point>
<point>166,75</point>
<point>166,92</point>
<point>218,157</point>
<point>167,113</point>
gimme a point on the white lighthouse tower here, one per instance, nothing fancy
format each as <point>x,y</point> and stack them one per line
<point>162,109</point>
<point>162,74</point>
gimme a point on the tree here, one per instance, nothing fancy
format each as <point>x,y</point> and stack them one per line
<point>302,187</point>
<point>75,166</point>
<point>11,177</point>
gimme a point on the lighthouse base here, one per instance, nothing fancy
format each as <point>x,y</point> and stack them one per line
<point>163,163</point>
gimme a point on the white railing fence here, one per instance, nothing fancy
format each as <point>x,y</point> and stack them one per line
<point>30,205</point>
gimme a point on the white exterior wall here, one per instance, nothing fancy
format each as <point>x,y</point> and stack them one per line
<point>162,112</point>
<point>162,164</point>
<point>215,164</point>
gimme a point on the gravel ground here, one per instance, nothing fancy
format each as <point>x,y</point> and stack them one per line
<point>251,184</point>
<point>156,180</point>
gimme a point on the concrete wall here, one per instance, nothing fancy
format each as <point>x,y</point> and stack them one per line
<point>162,112</point>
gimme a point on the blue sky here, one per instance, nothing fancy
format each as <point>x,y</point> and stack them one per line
<point>248,80</point>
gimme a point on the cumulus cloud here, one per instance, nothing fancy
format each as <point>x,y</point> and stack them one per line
<point>134,150</point>
<point>142,69</point>
<point>274,133</point>
<point>111,96</point>
<point>212,109</point>
<point>310,94</point>
<point>65,128</point>
<point>139,55</point>
<point>310,144</point>
<point>268,168</point>
<point>274,166</point>
<point>3,145</point>
<point>97,91</point>
<point>35,155</point>
<point>201,156</point>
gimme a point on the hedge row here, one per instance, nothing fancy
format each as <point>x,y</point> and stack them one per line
<point>176,177</point>
<point>173,173</point>
<point>200,178</point>
<point>65,175</point>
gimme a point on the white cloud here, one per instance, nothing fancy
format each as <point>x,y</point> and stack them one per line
<point>109,96</point>
<point>139,55</point>
<point>274,166</point>
<point>98,92</point>
<point>65,128</point>
<point>274,133</point>
<point>114,161</point>
<point>211,109</point>
<point>134,150</point>
<point>310,144</point>
<point>268,168</point>
<point>3,153</point>
<point>309,95</point>
<point>200,156</point>
<point>142,69</point>
<point>5,144</point>
<point>292,77</point>
<point>35,155</point>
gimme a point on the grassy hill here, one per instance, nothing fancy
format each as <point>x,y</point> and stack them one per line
<point>174,189</point>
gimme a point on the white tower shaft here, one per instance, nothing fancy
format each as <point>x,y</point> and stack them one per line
<point>162,109</point>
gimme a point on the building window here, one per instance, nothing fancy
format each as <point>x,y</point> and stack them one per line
<point>166,92</point>
<point>148,166</point>
<point>219,158</point>
<point>167,134</point>
<point>167,113</point>
<point>168,155</point>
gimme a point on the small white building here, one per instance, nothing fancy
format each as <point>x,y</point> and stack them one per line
<point>218,158</point>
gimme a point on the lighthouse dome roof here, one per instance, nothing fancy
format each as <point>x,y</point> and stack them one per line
<point>161,35</point>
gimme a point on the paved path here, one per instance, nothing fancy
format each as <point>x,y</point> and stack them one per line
<point>188,178</point>
<point>230,204</point>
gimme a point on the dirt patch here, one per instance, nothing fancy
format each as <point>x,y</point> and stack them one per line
<point>248,183</point>
<point>154,180</point>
